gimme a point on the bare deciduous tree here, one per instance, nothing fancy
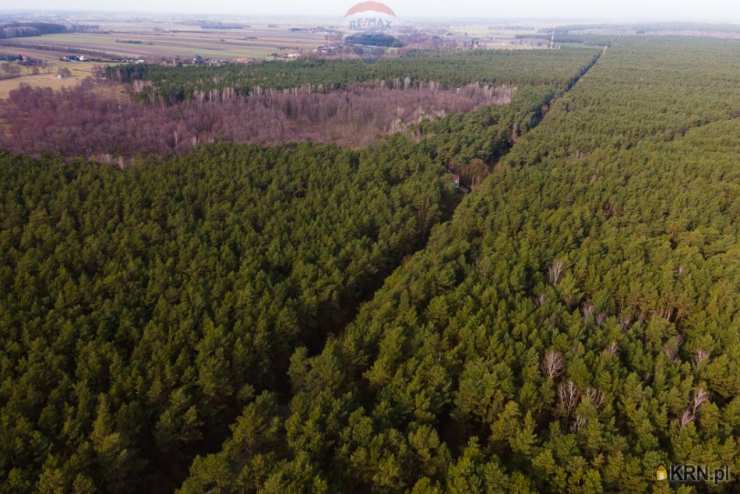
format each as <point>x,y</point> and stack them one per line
<point>569,396</point>
<point>686,418</point>
<point>601,318</point>
<point>671,348</point>
<point>595,396</point>
<point>555,272</point>
<point>579,423</point>
<point>588,311</point>
<point>552,363</point>
<point>700,397</point>
<point>80,121</point>
<point>625,321</point>
<point>666,312</point>
<point>700,356</point>
<point>612,348</point>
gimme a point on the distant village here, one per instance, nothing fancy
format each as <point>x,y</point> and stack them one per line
<point>21,59</point>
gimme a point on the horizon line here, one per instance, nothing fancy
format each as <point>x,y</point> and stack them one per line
<point>479,18</point>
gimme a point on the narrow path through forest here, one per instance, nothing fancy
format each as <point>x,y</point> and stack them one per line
<point>334,324</point>
<point>342,320</point>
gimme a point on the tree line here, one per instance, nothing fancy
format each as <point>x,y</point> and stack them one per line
<point>442,69</point>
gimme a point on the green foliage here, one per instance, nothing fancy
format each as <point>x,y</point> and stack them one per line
<point>144,307</point>
<point>609,236</point>
<point>373,39</point>
<point>446,69</point>
<point>574,325</point>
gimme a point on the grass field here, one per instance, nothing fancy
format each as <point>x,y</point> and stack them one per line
<point>155,41</point>
<point>150,42</point>
<point>227,44</point>
<point>40,80</point>
<point>48,73</point>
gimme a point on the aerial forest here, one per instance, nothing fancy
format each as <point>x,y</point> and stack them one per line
<point>469,272</point>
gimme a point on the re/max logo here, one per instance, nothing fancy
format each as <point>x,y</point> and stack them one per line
<point>366,23</point>
<point>698,473</point>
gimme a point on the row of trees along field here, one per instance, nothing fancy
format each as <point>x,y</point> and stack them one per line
<point>574,326</point>
<point>144,308</point>
<point>416,69</point>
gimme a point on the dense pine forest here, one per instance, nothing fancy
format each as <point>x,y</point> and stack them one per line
<point>156,302</point>
<point>573,327</point>
<point>537,295</point>
<point>418,68</point>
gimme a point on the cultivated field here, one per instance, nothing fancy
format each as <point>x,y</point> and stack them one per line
<point>48,78</point>
<point>47,74</point>
<point>167,40</point>
<point>41,80</point>
<point>154,44</point>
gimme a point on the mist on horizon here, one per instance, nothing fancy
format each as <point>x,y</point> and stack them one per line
<point>627,10</point>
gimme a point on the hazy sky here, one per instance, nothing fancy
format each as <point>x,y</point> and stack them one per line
<point>698,10</point>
